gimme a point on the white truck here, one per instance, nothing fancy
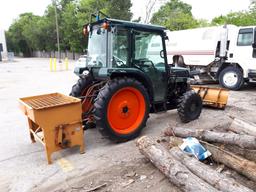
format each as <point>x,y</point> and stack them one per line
<point>224,53</point>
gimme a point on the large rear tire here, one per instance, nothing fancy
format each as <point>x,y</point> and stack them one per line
<point>122,109</point>
<point>190,106</point>
<point>231,78</point>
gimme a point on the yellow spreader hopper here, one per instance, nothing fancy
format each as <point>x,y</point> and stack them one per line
<point>55,121</point>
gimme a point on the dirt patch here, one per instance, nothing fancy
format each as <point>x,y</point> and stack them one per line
<point>137,175</point>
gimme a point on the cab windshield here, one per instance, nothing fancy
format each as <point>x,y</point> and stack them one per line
<point>97,46</point>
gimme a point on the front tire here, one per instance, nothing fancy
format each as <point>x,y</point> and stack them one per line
<point>190,106</point>
<point>231,78</point>
<point>78,90</point>
<point>81,86</point>
<point>122,109</point>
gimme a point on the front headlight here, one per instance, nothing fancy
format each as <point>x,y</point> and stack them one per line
<point>86,72</point>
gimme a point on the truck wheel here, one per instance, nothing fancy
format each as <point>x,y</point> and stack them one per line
<point>190,106</point>
<point>122,109</point>
<point>81,85</point>
<point>231,78</point>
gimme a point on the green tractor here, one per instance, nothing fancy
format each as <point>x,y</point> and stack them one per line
<point>127,76</point>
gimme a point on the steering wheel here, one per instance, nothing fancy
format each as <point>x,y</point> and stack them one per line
<point>144,62</point>
<point>160,65</point>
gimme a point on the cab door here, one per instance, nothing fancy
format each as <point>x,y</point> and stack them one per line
<point>148,56</point>
<point>254,45</point>
<point>245,54</point>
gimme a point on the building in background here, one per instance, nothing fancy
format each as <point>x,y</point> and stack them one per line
<point>3,48</point>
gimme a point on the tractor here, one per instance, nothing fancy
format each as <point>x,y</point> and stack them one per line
<point>127,77</point>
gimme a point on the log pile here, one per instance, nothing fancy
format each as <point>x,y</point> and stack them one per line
<point>235,149</point>
<point>241,140</point>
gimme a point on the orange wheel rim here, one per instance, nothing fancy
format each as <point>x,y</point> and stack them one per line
<point>126,110</point>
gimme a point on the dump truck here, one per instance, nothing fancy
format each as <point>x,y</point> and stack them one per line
<point>226,54</point>
<point>124,80</point>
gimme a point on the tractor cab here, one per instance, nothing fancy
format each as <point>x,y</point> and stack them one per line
<point>115,47</point>
<point>127,77</point>
<point>115,44</point>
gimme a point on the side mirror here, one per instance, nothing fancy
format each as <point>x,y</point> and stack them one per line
<point>254,45</point>
<point>166,36</point>
<point>86,30</point>
<point>99,31</point>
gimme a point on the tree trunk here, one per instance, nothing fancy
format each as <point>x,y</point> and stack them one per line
<point>239,164</point>
<point>218,180</point>
<point>241,126</point>
<point>243,141</point>
<point>177,173</point>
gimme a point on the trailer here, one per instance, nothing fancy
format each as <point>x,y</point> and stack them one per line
<point>226,54</point>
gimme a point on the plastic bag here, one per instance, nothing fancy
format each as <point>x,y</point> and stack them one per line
<point>192,146</point>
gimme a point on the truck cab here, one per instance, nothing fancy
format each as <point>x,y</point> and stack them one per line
<point>243,51</point>
<point>224,53</point>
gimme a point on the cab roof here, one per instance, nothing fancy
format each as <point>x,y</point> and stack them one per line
<point>129,24</point>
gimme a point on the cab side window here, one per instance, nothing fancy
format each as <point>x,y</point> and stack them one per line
<point>245,37</point>
<point>120,48</point>
<point>149,50</point>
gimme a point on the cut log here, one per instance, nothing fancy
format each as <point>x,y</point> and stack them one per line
<point>235,162</point>
<point>243,141</point>
<point>239,164</point>
<point>177,173</point>
<point>241,126</point>
<point>218,180</point>
<point>246,153</point>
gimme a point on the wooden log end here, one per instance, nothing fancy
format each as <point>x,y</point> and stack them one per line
<point>144,142</point>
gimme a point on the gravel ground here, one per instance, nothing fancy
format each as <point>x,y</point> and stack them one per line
<point>118,167</point>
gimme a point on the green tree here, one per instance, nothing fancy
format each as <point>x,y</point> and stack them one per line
<point>30,32</point>
<point>87,7</point>
<point>72,35</point>
<point>241,18</point>
<point>175,15</point>
<point>203,23</point>
<point>22,36</point>
<point>119,9</point>
<point>48,30</point>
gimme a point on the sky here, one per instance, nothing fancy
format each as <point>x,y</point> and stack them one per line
<point>201,9</point>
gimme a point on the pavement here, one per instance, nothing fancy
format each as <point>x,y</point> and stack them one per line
<point>23,165</point>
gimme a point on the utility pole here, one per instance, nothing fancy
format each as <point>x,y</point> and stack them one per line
<point>57,30</point>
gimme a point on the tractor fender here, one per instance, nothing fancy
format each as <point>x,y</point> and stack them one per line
<point>136,74</point>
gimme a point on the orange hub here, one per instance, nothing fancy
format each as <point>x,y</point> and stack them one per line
<point>126,110</point>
